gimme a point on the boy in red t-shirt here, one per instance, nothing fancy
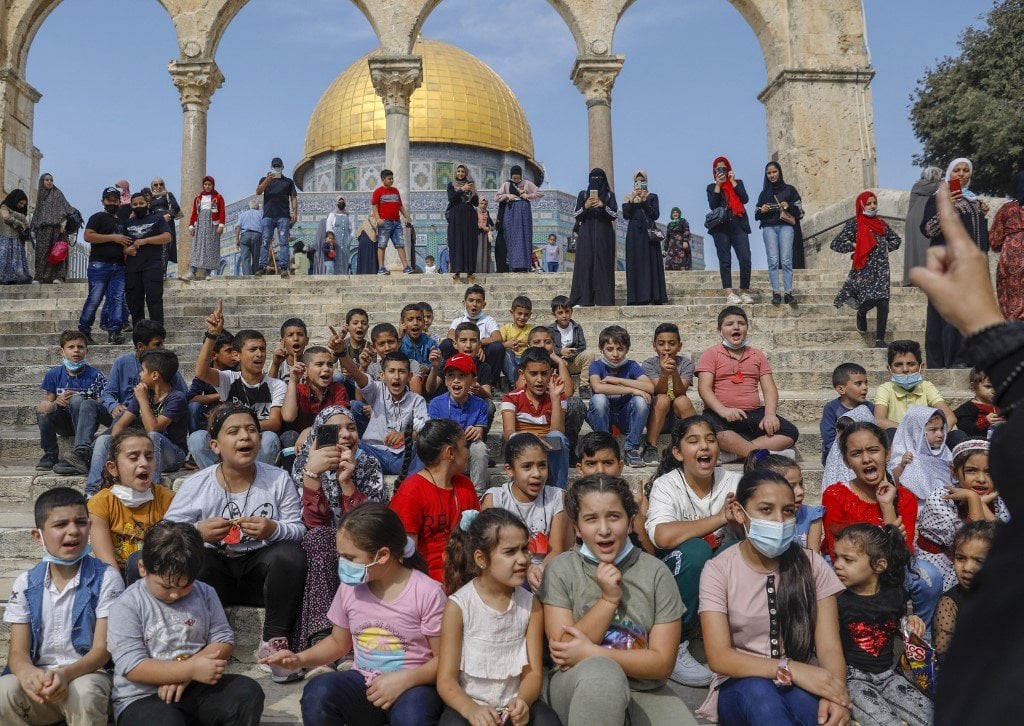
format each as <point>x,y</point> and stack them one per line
<point>311,388</point>
<point>387,207</point>
<point>728,377</point>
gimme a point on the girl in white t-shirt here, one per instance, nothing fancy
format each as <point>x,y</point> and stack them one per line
<point>490,668</point>
<point>537,504</point>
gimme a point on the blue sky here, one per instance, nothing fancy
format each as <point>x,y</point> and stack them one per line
<point>109,109</point>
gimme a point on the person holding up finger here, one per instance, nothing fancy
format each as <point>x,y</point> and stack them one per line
<point>171,641</point>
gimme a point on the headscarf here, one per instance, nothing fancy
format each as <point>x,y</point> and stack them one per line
<point>599,180</point>
<point>836,469</point>
<point>52,208</point>
<point>867,229</point>
<point>732,199</point>
<point>367,477</point>
<point>673,223</point>
<point>126,192</point>
<point>928,471</point>
<point>1017,186</point>
<point>641,173</point>
<point>12,200</point>
<point>369,230</point>
<point>468,179</point>
<point>968,194</point>
<point>770,191</point>
<point>213,183</point>
<point>931,173</point>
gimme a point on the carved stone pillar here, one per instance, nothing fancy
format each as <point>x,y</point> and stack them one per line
<point>19,158</point>
<point>394,78</point>
<point>196,81</point>
<point>594,76</point>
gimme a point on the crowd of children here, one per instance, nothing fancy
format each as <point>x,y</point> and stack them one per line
<point>439,598</point>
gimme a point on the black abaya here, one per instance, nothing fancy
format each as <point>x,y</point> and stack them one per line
<point>593,274</point>
<point>462,231</point>
<point>645,265</point>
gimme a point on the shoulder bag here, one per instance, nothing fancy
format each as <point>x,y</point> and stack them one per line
<point>715,218</point>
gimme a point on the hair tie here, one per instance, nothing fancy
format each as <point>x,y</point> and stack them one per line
<point>410,547</point>
<point>971,445</point>
<point>467,519</point>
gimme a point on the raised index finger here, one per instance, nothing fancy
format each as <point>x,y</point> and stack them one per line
<point>220,306</point>
<point>333,331</point>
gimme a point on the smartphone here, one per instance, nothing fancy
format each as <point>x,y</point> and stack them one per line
<point>326,435</point>
<point>955,186</point>
<point>593,194</point>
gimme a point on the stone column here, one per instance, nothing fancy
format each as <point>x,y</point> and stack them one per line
<point>394,78</point>
<point>196,81</point>
<point>821,130</point>
<point>594,76</point>
<point>19,158</point>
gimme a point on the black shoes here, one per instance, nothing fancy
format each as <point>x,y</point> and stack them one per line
<point>116,337</point>
<point>788,298</point>
<point>777,298</point>
<point>862,322</point>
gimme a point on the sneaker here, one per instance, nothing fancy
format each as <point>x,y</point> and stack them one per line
<point>35,282</point>
<point>880,343</point>
<point>777,298</point>
<point>46,463</point>
<point>73,464</point>
<point>688,671</point>
<point>788,453</point>
<point>187,278</point>
<point>103,326</point>
<point>634,459</point>
<point>727,457</point>
<point>278,674</point>
<point>383,271</point>
<point>747,299</point>
<point>89,339</point>
<point>126,326</point>
<point>584,390</point>
<point>651,456</point>
<point>788,298</point>
<point>115,337</point>
<point>733,299</point>
<point>408,270</point>
<point>58,282</point>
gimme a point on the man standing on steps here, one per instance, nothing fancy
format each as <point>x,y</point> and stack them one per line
<point>107,242</point>
<point>280,212</point>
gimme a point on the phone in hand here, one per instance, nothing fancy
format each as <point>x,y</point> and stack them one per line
<point>593,194</point>
<point>326,436</point>
<point>955,187</point>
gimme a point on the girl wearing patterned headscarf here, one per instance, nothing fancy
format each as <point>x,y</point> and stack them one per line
<point>48,223</point>
<point>333,480</point>
<point>13,222</point>
<point>593,274</point>
<point>1007,238</point>
<point>206,225</point>
<point>517,220</point>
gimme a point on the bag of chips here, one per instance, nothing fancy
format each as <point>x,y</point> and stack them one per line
<point>917,662</point>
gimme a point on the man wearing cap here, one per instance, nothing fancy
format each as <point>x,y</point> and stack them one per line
<point>107,243</point>
<point>280,212</point>
<point>469,412</point>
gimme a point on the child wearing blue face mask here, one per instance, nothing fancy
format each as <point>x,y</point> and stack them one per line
<point>387,612</point>
<point>70,405</point>
<point>769,616</point>
<point>612,616</point>
<point>906,388</point>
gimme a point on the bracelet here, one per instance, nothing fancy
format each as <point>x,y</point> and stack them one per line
<point>311,475</point>
<point>616,604</point>
<point>210,336</point>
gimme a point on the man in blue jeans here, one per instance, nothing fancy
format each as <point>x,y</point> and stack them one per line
<point>280,212</point>
<point>249,238</point>
<point>388,208</point>
<point>107,241</point>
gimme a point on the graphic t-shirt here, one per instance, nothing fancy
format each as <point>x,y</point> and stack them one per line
<point>868,625</point>
<point>89,381</point>
<point>388,201</point>
<point>175,407</point>
<point>109,252</point>
<point>538,515</point>
<point>390,636</point>
<point>148,255</point>
<point>267,394</point>
<point>128,527</point>
<point>277,197</point>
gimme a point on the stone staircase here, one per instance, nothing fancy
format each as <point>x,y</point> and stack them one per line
<point>803,342</point>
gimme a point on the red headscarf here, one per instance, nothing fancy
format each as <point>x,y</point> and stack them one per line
<point>732,199</point>
<point>212,184</point>
<point>867,230</point>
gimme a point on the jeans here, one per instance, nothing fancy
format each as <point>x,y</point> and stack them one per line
<point>628,412</point>
<point>199,447</point>
<point>167,456</point>
<point>778,246</point>
<point>390,229</point>
<point>197,415</point>
<point>759,702</point>
<point>105,313</point>
<point>390,462</point>
<point>249,246</point>
<point>558,459</point>
<point>144,291</point>
<point>552,267</point>
<point>235,699</point>
<point>81,418</point>
<point>923,583</point>
<point>105,279</point>
<point>283,225</point>
<point>339,698</point>
<point>509,366</point>
<point>728,237</point>
<point>343,254</point>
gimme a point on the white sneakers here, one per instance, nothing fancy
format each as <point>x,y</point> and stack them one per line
<point>733,299</point>
<point>746,299</point>
<point>688,671</point>
<point>788,453</point>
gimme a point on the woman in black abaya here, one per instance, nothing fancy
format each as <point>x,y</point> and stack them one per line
<point>593,275</point>
<point>462,222</point>
<point>645,264</point>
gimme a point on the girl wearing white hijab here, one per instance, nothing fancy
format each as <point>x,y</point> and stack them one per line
<point>927,467</point>
<point>836,470</point>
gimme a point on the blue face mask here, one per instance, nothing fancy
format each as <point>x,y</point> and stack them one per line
<point>906,381</point>
<point>352,573</point>
<point>588,555</point>
<point>770,538</point>
<point>870,212</point>
<point>72,366</point>
<point>67,563</point>
<point>739,346</point>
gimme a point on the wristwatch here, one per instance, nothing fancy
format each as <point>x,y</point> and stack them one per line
<point>783,676</point>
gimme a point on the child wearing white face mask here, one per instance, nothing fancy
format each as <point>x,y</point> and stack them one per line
<point>128,503</point>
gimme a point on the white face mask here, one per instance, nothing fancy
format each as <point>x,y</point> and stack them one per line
<point>870,212</point>
<point>130,497</point>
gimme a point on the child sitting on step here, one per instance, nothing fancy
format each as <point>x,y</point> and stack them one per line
<point>202,397</point>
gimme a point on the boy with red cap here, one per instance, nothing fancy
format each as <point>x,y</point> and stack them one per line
<point>469,411</point>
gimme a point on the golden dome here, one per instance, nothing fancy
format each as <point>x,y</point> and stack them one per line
<point>461,101</point>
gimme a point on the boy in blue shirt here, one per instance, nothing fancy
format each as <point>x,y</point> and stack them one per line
<point>201,396</point>
<point>621,393</point>
<point>70,407</point>
<point>58,616</point>
<point>127,368</point>
<point>468,411</point>
<point>851,383</point>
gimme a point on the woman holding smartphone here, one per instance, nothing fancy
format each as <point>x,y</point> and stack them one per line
<point>727,192</point>
<point>944,346</point>
<point>645,264</point>
<point>593,274</point>
<point>779,210</point>
<point>336,477</point>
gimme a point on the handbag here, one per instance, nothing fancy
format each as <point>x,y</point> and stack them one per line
<point>785,215</point>
<point>58,252</point>
<point>715,218</point>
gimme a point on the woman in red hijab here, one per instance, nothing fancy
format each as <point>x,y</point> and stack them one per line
<point>732,231</point>
<point>870,240</point>
<point>206,226</point>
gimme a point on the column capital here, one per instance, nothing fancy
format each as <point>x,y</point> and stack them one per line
<point>594,76</point>
<point>394,78</point>
<point>10,76</point>
<point>196,81</point>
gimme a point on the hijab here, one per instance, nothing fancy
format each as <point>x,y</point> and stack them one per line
<point>770,191</point>
<point>929,470</point>
<point>468,179</point>
<point>836,470</point>
<point>732,199</point>
<point>867,230</point>
<point>367,477</point>
<point>599,180</point>
<point>1017,186</point>
<point>12,200</point>
<point>673,223</point>
<point>126,193</point>
<point>968,194</point>
<point>51,207</point>
<point>213,184</point>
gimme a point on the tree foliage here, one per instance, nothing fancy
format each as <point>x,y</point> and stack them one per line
<point>973,104</point>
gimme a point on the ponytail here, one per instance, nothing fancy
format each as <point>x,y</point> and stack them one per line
<point>482,535</point>
<point>669,462</point>
<point>881,543</point>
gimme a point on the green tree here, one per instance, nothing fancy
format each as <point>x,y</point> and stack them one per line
<point>973,104</point>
